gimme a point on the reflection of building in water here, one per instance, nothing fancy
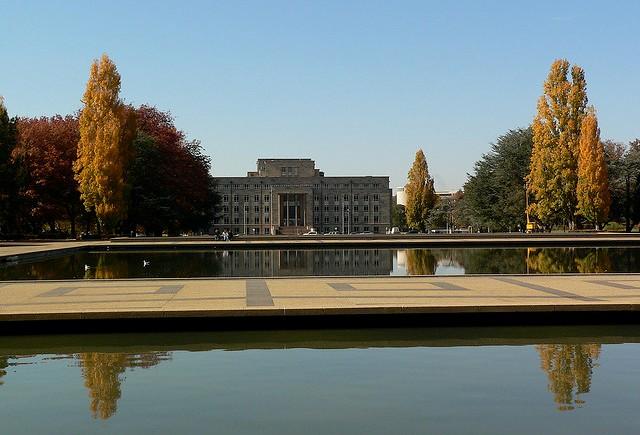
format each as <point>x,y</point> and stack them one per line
<point>569,368</point>
<point>102,376</point>
<point>331,262</point>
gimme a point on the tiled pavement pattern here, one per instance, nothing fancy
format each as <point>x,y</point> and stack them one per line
<point>330,295</point>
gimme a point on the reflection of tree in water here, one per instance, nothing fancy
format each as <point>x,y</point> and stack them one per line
<point>421,262</point>
<point>569,260</point>
<point>487,260</point>
<point>4,363</point>
<point>569,368</point>
<point>102,374</point>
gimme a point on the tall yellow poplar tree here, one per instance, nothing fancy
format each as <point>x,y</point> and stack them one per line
<point>594,198</point>
<point>553,175</point>
<point>107,128</point>
<point>421,195</point>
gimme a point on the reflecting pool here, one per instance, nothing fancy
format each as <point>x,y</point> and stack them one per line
<point>456,380</point>
<point>324,262</point>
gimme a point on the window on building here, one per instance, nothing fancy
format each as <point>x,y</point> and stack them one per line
<point>246,198</point>
<point>376,197</point>
<point>236,209</point>
<point>326,208</point>
<point>366,219</point>
<point>256,209</point>
<point>256,186</point>
<point>236,230</point>
<point>267,198</point>
<point>266,209</point>
<point>235,198</point>
<point>256,198</point>
<point>336,219</point>
<point>365,197</point>
<point>225,198</point>
<point>336,208</point>
<point>316,198</point>
<point>345,197</point>
<point>356,219</point>
<point>365,208</point>
<point>355,196</point>
<point>326,219</point>
<point>226,219</point>
<point>225,209</point>
<point>256,220</point>
<point>236,220</point>
<point>376,219</point>
<point>266,231</point>
<point>267,219</point>
<point>355,209</point>
<point>366,228</point>
<point>356,229</point>
<point>376,229</point>
<point>336,198</point>
<point>316,219</point>
<point>326,198</point>
<point>376,208</point>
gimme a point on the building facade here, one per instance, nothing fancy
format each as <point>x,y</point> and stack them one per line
<point>291,196</point>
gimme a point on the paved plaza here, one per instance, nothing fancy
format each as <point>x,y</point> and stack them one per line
<point>237,297</point>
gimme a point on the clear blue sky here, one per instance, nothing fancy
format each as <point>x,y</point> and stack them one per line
<point>356,85</point>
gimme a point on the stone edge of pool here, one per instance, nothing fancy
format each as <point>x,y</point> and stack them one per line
<point>36,249</point>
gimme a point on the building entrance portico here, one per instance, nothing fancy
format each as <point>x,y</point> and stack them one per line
<point>292,210</point>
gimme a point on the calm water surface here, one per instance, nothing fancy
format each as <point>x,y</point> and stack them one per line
<point>458,380</point>
<point>328,262</point>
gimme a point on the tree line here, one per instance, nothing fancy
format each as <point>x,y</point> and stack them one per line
<point>556,173</point>
<point>110,168</point>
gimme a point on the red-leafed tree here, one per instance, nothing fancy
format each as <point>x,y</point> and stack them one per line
<point>170,182</point>
<point>47,148</point>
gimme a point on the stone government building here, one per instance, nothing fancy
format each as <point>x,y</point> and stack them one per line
<point>291,196</point>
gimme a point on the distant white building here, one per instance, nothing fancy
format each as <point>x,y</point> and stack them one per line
<point>401,195</point>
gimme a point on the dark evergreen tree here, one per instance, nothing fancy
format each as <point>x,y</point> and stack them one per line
<point>494,195</point>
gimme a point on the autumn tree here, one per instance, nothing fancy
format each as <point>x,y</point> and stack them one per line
<point>553,175</point>
<point>421,195</point>
<point>171,187</point>
<point>593,185</point>
<point>107,129</point>
<point>47,147</point>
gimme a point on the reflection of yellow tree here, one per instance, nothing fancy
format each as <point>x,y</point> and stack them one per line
<point>101,373</point>
<point>569,367</point>
<point>595,261</point>
<point>420,262</point>
<point>567,260</point>
<point>552,260</point>
<point>102,376</point>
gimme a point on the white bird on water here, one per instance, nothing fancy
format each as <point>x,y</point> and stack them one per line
<point>145,263</point>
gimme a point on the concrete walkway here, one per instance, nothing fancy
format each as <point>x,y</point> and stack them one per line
<point>326,296</point>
